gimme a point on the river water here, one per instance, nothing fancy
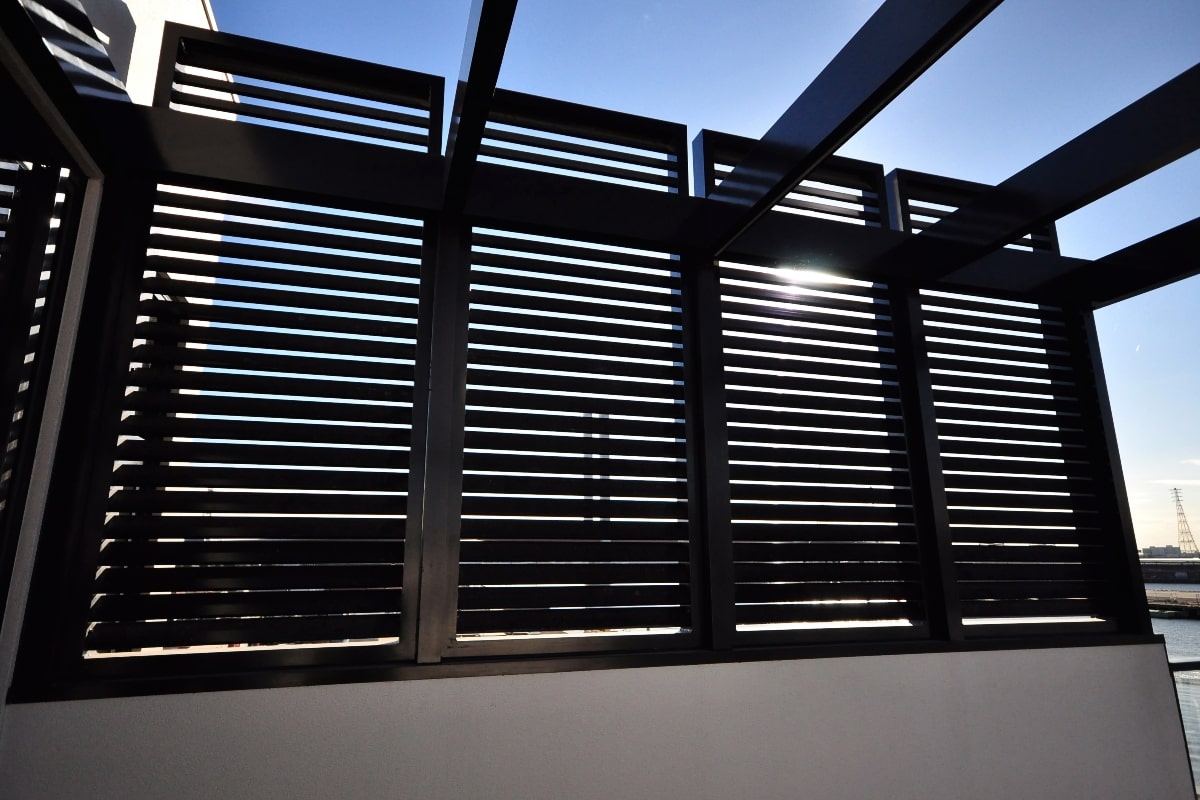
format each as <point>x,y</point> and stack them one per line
<point>1183,644</point>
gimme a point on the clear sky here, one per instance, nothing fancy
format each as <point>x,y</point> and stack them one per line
<point>1030,77</point>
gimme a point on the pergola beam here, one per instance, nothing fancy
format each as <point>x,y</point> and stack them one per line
<point>1149,264</point>
<point>483,53</point>
<point>1144,136</point>
<point>895,46</point>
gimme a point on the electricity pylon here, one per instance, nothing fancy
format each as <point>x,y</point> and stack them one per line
<point>1187,545</point>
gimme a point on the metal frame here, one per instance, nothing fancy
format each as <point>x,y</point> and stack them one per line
<point>456,192</point>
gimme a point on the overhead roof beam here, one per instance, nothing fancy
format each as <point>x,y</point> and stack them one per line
<point>1144,136</point>
<point>483,53</point>
<point>888,53</point>
<point>1149,264</point>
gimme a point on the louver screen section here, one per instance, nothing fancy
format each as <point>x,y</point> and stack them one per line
<point>269,84</point>
<point>840,189</point>
<point>823,530</point>
<point>1023,510</point>
<point>574,486</point>
<point>567,139</point>
<point>259,492</point>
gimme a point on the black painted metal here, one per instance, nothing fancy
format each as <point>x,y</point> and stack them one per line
<point>1149,264</point>
<point>930,503</point>
<point>241,77</point>
<point>1149,133</point>
<point>751,503</point>
<point>487,36</point>
<point>888,53</point>
<point>33,256</point>
<point>444,431</point>
<point>61,590</point>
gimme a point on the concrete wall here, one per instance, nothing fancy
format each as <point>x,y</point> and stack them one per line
<point>1069,723</point>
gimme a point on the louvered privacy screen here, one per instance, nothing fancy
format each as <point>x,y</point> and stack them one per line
<point>574,485</point>
<point>32,202</point>
<point>823,530</point>
<point>840,189</point>
<point>567,139</point>
<point>925,199</point>
<point>232,76</point>
<point>1027,534</point>
<point>259,495</point>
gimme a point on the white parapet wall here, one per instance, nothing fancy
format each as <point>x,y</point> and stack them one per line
<point>1096,722</point>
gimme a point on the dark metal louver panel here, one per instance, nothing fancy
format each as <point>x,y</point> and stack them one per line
<point>823,529</point>
<point>1023,510</point>
<point>32,202</point>
<point>71,39</point>
<point>840,189</point>
<point>269,84</point>
<point>567,139</point>
<point>924,199</point>
<point>574,485</point>
<point>259,493</point>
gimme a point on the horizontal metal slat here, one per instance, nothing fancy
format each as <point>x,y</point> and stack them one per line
<point>247,111</point>
<point>231,502</point>
<point>490,150</point>
<point>786,456</point>
<point>782,370</point>
<point>262,431</point>
<point>617,315</point>
<point>349,221</point>
<point>211,358</point>
<point>551,506</point>
<point>573,551</point>
<point>271,235</point>
<point>794,592</point>
<point>261,455</point>
<point>227,578</point>
<point>349,261</point>
<point>585,619</point>
<point>209,605</point>
<point>622,259</point>
<point>840,552</point>
<point>656,347</point>
<point>598,286</point>
<point>579,529</point>
<point>191,477</point>
<point>577,445</point>
<point>158,402</point>
<point>591,364</point>
<point>576,148</point>
<point>1035,608</point>
<point>389,307</point>
<point>243,89</point>
<point>274,340</point>
<point>563,423</point>
<point>668,409</point>
<point>485,598</point>
<point>612,385</point>
<point>755,572</point>
<point>785,403</point>
<point>824,612</point>
<point>156,378</point>
<point>901,495</point>
<point>551,485</point>
<point>574,464</point>
<point>282,319</point>
<point>503,574</point>
<point>276,551</point>
<point>130,636</point>
<point>207,527</point>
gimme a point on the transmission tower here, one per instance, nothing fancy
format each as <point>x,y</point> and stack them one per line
<point>1187,545</point>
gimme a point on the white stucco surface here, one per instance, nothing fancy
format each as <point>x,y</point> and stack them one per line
<point>1059,723</point>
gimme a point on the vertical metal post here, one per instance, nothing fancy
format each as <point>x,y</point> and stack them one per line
<point>942,602</point>
<point>1124,569</point>
<point>87,439</point>
<point>709,512</point>
<point>441,498</point>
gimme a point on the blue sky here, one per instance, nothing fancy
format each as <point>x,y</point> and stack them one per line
<point>1030,77</point>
